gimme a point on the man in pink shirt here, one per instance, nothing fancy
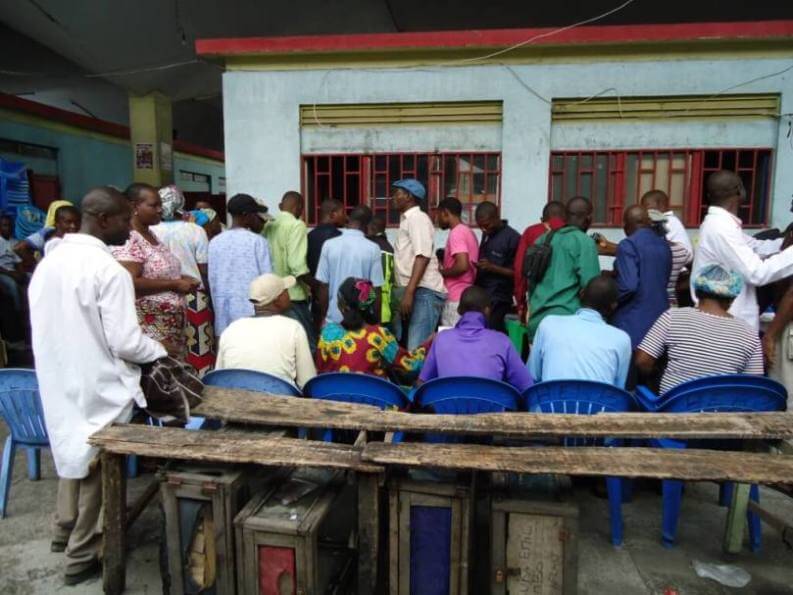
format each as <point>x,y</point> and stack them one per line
<point>462,251</point>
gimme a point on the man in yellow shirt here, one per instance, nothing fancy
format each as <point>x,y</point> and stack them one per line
<point>287,236</point>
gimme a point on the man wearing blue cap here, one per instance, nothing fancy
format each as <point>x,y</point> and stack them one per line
<point>420,292</point>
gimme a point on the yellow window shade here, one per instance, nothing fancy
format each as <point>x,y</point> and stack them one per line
<point>684,106</point>
<point>390,114</point>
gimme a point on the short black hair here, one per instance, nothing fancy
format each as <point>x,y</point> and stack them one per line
<point>6,217</point>
<point>554,208</point>
<point>361,215</point>
<point>134,192</point>
<point>379,223</point>
<point>64,210</point>
<point>451,204</point>
<point>328,207</point>
<point>486,209</point>
<point>600,294</point>
<point>474,299</point>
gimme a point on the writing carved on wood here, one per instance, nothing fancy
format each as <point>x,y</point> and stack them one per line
<point>535,555</point>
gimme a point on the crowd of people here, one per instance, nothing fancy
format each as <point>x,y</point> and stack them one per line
<point>130,277</point>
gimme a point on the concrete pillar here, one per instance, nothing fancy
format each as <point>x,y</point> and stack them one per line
<point>151,135</point>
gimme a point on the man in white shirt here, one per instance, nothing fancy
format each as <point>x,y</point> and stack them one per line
<point>657,200</point>
<point>420,291</point>
<point>723,242</point>
<point>86,342</point>
<point>269,341</point>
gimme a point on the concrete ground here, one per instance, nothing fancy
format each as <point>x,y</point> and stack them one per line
<point>641,566</point>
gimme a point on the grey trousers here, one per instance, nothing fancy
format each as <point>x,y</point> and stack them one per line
<point>78,519</point>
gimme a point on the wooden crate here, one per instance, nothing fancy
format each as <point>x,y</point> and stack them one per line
<point>222,491</point>
<point>300,547</point>
<point>430,527</point>
<point>534,547</point>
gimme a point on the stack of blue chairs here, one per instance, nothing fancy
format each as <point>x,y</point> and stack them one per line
<point>733,393</point>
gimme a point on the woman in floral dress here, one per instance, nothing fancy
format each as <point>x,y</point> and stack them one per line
<point>156,273</point>
<point>359,344</point>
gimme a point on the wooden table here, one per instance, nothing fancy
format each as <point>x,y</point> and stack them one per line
<point>368,460</point>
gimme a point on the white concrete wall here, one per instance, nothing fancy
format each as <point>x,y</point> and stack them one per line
<point>263,137</point>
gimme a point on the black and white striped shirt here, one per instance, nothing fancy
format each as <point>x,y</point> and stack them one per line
<point>700,344</point>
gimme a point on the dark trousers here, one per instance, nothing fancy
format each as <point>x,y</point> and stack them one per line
<point>301,312</point>
<point>499,311</point>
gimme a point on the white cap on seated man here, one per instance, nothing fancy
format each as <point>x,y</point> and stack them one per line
<point>268,341</point>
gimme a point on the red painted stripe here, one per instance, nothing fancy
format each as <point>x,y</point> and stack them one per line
<point>494,38</point>
<point>62,116</point>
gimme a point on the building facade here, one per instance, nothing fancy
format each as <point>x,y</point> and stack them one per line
<point>515,116</point>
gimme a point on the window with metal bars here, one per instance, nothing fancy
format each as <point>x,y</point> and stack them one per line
<point>614,180</point>
<point>471,177</point>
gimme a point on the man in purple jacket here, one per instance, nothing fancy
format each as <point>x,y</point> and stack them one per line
<point>471,349</point>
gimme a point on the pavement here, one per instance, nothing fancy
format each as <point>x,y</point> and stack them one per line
<point>641,566</point>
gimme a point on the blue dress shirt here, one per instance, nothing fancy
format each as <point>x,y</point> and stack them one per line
<point>580,347</point>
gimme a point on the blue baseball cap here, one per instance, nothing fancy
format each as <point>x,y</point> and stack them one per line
<point>412,186</point>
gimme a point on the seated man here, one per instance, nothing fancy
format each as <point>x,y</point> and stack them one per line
<point>706,340</point>
<point>583,346</point>
<point>269,341</point>
<point>13,282</point>
<point>471,349</point>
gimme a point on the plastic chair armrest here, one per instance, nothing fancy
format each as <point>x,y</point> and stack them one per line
<point>647,399</point>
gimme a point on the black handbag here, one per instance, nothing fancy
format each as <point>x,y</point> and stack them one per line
<point>537,260</point>
<point>171,389</point>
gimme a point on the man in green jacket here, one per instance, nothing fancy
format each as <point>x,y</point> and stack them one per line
<point>574,262</point>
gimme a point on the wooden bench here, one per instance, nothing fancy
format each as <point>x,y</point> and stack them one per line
<point>260,411</point>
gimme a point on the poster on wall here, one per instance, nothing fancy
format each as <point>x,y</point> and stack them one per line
<point>144,156</point>
<point>166,157</point>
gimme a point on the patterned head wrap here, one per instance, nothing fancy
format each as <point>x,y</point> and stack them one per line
<point>172,201</point>
<point>358,294</point>
<point>53,208</point>
<point>717,281</point>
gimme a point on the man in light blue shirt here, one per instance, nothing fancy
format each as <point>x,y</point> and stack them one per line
<point>349,255</point>
<point>582,346</point>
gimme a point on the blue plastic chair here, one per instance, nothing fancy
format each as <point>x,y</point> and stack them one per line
<point>464,395</point>
<point>582,397</point>
<point>356,388</point>
<point>730,393</point>
<point>251,380</point>
<point>20,406</point>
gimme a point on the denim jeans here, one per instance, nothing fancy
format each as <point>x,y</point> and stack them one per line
<point>427,308</point>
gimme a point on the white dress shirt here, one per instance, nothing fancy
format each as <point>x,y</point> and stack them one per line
<point>723,242</point>
<point>86,342</point>
<point>677,234</point>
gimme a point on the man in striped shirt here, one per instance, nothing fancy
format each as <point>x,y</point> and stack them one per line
<point>702,341</point>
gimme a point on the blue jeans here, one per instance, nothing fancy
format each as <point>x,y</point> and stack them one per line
<point>427,308</point>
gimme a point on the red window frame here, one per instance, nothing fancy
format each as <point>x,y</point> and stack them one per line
<point>621,173</point>
<point>366,178</point>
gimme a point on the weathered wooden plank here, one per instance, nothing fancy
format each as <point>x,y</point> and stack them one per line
<point>690,464</point>
<point>262,409</point>
<point>142,501</point>
<point>368,533</point>
<point>114,533</point>
<point>228,447</point>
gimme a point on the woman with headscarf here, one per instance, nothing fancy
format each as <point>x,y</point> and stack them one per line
<point>206,218</point>
<point>359,344</point>
<point>156,272</point>
<point>702,341</point>
<point>188,241</point>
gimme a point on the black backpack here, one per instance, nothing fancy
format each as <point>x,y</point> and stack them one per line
<point>537,259</point>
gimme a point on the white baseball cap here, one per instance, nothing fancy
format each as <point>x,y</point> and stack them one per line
<point>264,290</point>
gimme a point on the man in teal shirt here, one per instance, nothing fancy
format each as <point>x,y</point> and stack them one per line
<point>287,236</point>
<point>574,262</point>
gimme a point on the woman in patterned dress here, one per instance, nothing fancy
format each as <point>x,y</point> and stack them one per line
<point>156,273</point>
<point>359,344</point>
<point>187,239</point>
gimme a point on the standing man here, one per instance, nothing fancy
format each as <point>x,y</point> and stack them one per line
<point>642,266</point>
<point>574,262</point>
<point>459,258</point>
<point>86,372</point>
<point>376,234</point>
<point>420,293</point>
<point>237,257</point>
<point>723,242</point>
<point>287,237</point>
<point>552,219</point>
<point>496,262</point>
<point>657,200</point>
<point>331,219</point>
<point>349,255</point>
